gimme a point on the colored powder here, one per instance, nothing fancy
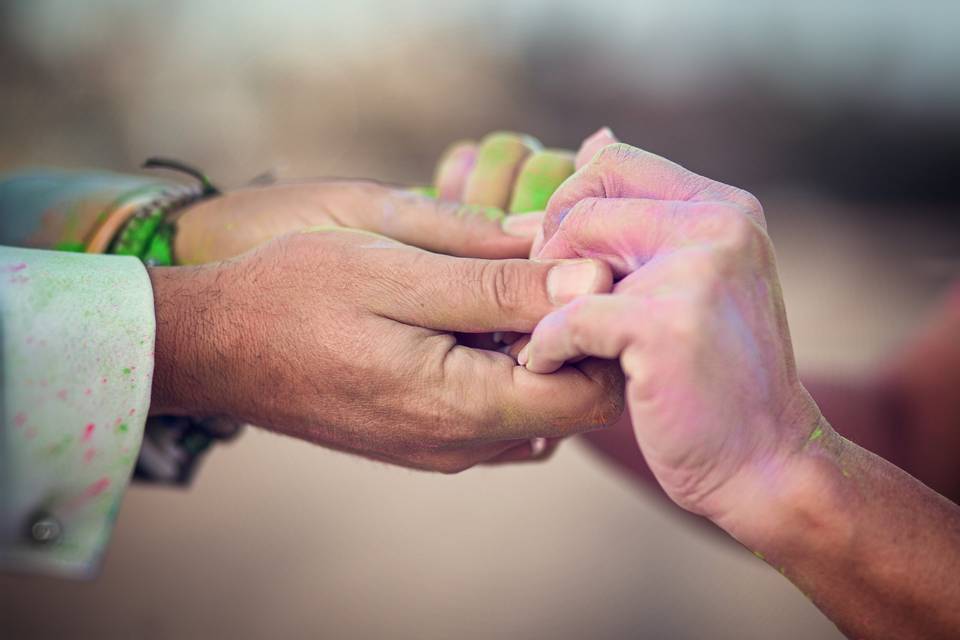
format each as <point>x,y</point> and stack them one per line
<point>97,488</point>
<point>88,431</point>
<point>541,175</point>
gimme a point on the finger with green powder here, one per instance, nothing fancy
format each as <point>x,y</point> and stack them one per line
<point>540,175</point>
<point>498,163</point>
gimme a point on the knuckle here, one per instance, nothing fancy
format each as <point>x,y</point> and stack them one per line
<point>573,221</point>
<point>740,232</point>
<point>501,283</point>
<point>614,153</point>
<point>751,204</point>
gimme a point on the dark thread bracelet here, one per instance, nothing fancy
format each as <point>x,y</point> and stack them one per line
<point>149,233</point>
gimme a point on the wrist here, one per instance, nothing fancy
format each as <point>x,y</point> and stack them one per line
<point>796,506</point>
<point>187,340</point>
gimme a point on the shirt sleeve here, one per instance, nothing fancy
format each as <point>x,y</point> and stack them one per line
<point>76,361</point>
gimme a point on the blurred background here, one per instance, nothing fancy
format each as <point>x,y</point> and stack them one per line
<point>842,117</point>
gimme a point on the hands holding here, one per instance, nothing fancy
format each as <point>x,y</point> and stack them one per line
<point>348,339</point>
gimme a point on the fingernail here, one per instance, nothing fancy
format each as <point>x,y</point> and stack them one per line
<point>523,355</point>
<point>568,280</point>
<point>522,225</point>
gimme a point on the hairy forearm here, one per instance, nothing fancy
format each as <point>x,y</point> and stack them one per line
<point>188,341</point>
<point>874,548</point>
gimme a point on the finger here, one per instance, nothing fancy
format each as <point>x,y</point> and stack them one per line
<point>474,296</point>
<point>454,168</point>
<point>601,326</point>
<point>540,175</point>
<point>434,225</point>
<point>593,144</point>
<point>621,171</point>
<point>509,402</point>
<point>498,162</point>
<point>628,232</point>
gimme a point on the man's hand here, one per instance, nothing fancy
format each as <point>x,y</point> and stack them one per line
<point>240,220</point>
<point>696,320</point>
<point>346,339</point>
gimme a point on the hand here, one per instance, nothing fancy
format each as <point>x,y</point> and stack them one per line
<point>344,338</point>
<point>240,220</point>
<point>696,320</point>
<point>509,171</point>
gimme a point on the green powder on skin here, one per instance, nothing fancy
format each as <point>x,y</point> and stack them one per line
<point>430,192</point>
<point>541,175</point>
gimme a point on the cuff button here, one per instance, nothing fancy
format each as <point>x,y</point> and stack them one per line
<point>45,529</point>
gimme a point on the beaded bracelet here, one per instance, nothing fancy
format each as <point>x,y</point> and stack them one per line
<point>148,233</point>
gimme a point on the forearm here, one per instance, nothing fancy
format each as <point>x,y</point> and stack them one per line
<point>53,209</point>
<point>876,550</point>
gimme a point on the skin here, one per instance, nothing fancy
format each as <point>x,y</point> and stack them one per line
<point>240,220</point>
<point>347,339</point>
<point>697,322</point>
<point>540,175</point>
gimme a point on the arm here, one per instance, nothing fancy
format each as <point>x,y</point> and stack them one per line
<point>876,550</point>
<point>698,325</point>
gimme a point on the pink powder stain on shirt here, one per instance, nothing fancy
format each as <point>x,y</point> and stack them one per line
<point>97,487</point>
<point>89,455</point>
<point>13,268</point>
<point>103,381</point>
<point>20,419</point>
<point>30,433</point>
<point>132,411</point>
<point>88,431</point>
<point>87,391</point>
<point>62,394</point>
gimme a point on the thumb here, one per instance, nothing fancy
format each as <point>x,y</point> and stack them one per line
<point>479,296</point>
<point>593,144</point>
